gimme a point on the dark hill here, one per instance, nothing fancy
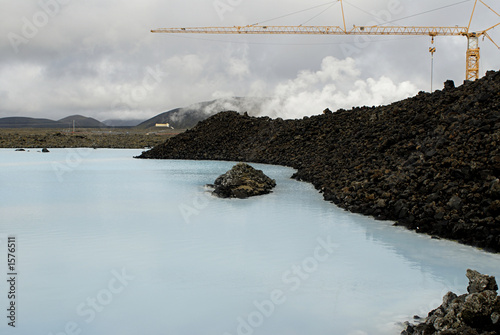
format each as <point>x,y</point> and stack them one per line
<point>166,117</point>
<point>188,117</point>
<point>121,123</point>
<point>28,122</point>
<point>81,122</point>
<point>430,163</point>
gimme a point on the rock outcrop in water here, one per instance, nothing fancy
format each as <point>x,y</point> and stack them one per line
<point>475,313</point>
<point>430,163</point>
<point>243,181</point>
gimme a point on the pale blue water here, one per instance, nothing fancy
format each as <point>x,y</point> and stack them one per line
<point>108,244</point>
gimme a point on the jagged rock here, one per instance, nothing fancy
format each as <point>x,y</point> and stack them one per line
<point>479,283</point>
<point>243,181</point>
<point>455,202</point>
<point>477,312</point>
<point>449,84</point>
<point>45,150</point>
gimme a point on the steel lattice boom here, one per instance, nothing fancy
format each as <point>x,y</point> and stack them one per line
<point>320,30</point>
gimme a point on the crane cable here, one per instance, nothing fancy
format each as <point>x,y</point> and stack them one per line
<point>324,10</point>
<point>331,4</point>
<point>409,16</point>
<point>297,12</point>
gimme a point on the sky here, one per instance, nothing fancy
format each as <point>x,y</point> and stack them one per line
<point>98,58</point>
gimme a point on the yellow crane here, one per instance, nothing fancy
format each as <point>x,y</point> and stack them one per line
<point>472,56</point>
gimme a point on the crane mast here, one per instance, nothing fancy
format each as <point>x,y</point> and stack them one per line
<point>472,55</point>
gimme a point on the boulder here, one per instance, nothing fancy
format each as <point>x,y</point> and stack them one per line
<point>477,312</point>
<point>242,181</point>
<point>45,150</point>
<point>479,283</point>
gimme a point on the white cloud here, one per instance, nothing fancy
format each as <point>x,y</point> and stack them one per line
<point>238,67</point>
<point>336,85</point>
<point>188,65</point>
<point>237,63</point>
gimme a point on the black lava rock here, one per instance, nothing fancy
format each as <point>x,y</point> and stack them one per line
<point>477,312</point>
<point>243,181</point>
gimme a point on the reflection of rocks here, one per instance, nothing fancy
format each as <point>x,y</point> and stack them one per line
<point>243,181</point>
<point>475,313</point>
<point>430,162</point>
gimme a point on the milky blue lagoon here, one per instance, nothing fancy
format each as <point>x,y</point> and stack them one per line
<point>107,244</point>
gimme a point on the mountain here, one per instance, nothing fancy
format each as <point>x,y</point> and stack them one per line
<point>67,122</point>
<point>121,123</point>
<point>29,122</point>
<point>81,122</point>
<point>178,118</point>
<point>188,117</point>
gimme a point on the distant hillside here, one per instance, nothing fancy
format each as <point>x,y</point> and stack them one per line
<point>178,118</point>
<point>81,122</point>
<point>29,122</point>
<point>188,117</point>
<point>121,123</point>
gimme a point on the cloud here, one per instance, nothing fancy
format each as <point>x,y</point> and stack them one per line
<point>238,67</point>
<point>105,87</point>
<point>238,64</point>
<point>336,85</point>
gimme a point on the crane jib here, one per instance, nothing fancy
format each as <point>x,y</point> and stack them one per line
<point>322,30</point>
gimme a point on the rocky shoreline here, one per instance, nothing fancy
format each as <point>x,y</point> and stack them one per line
<point>430,163</point>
